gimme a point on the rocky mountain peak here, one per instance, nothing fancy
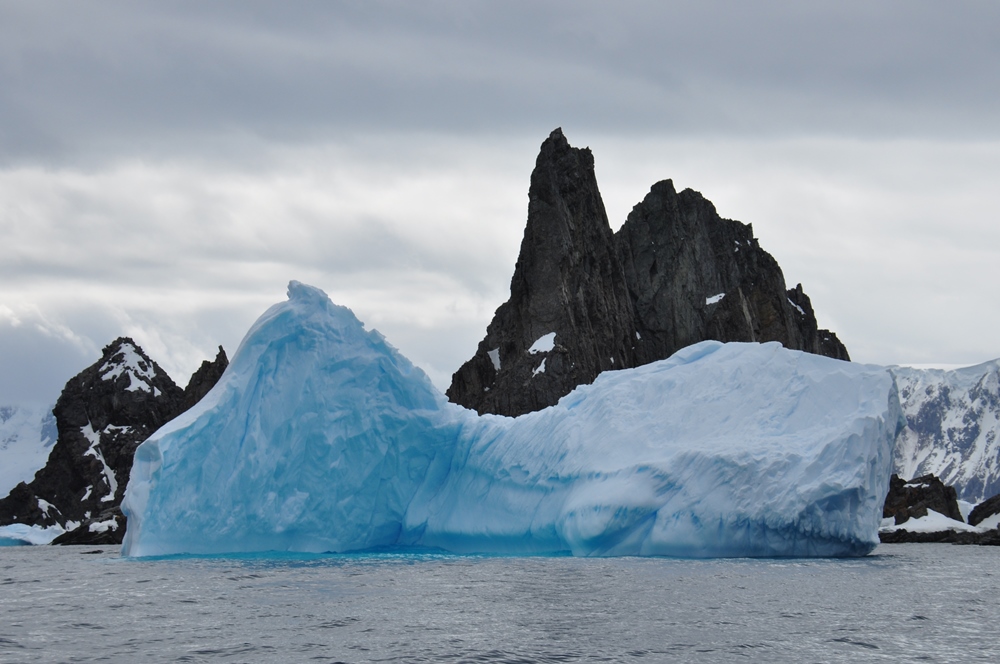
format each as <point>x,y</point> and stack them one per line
<point>568,289</point>
<point>127,366</point>
<point>676,273</point>
<point>694,275</point>
<point>102,415</point>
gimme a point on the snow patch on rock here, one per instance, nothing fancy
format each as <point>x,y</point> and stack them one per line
<point>796,307</point>
<point>129,362</point>
<point>543,344</point>
<point>95,451</point>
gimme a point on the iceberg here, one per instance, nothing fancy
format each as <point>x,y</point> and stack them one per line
<point>322,437</point>
<point>18,534</point>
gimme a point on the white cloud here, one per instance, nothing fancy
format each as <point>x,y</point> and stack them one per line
<point>894,240</point>
<point>183,255</point>
<point>166,169</point>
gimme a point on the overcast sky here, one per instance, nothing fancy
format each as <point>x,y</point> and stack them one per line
<point>167,167</point>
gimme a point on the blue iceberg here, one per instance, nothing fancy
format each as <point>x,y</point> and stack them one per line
<point>321,437</point>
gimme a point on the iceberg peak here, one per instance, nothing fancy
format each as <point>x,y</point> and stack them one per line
<point>306,294</point>
<point>322,437</point>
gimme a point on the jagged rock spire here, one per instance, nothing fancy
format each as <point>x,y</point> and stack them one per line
<point>693,275</point>
<point>584,300</point>
<point>567,294</point>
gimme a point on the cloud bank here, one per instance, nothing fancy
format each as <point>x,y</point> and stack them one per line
<point>166,169</point>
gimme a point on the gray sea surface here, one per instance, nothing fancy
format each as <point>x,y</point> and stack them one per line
<point>909,602</point>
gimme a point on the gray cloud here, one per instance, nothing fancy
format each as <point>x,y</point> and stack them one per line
<point>165,168</point>
<point>155,77</point>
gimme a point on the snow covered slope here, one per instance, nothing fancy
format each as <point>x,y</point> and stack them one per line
<point>953,427</point>
<point>322,437</point>
<point>27,433</point>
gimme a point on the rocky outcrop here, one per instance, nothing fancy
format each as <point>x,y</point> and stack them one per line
<point>102,415</point>
<point>984,510</point>
<point>584,300</point>
<point>204,379</point>
<point>569,316</point>
<point>911,499</point>
<point>695,276</point>
<point>902,536</point>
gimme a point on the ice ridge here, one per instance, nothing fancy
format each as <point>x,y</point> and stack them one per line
<point>322,437</point>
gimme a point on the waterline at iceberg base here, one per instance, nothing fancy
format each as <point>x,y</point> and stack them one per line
<point>321,437</point>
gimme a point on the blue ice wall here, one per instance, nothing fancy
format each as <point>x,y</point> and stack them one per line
<point>322,437</point>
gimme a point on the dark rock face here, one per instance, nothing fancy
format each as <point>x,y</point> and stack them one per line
<point>902,536</point>
<point>204,379</point>
<point>675,274</point>
<point>568,281</point>
<point>984,510</point>
<point>108,527</point>
<point>911,500</point>
<point>102,416</point>
<point>695,276</point>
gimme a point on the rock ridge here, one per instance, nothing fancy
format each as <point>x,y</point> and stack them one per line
<point>585,300</point>
<point>694,275</point>
<point>102,415</point>
<point>568,281</point>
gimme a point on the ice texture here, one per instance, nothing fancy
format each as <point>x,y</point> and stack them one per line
<point>322,437</point>
<point>27,434</point>
<point>20,534</point>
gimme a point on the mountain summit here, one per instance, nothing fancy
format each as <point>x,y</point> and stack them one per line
<point>584,299</point>
<point>102,415</point>
<point>569,316</point>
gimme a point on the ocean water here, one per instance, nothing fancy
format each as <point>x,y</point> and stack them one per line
<point>912,602</point>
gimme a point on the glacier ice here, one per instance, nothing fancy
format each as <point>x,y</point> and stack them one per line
<point>18,534</point>
<point>952,427</point>
<point>27,434</point>
<point>322,437</point>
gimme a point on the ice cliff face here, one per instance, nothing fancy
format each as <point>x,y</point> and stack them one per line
<point>322,437</point>
<point>316,439</point>
<point>952,427</point>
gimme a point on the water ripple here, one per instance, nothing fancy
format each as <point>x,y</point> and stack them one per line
<point>59,606</point>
